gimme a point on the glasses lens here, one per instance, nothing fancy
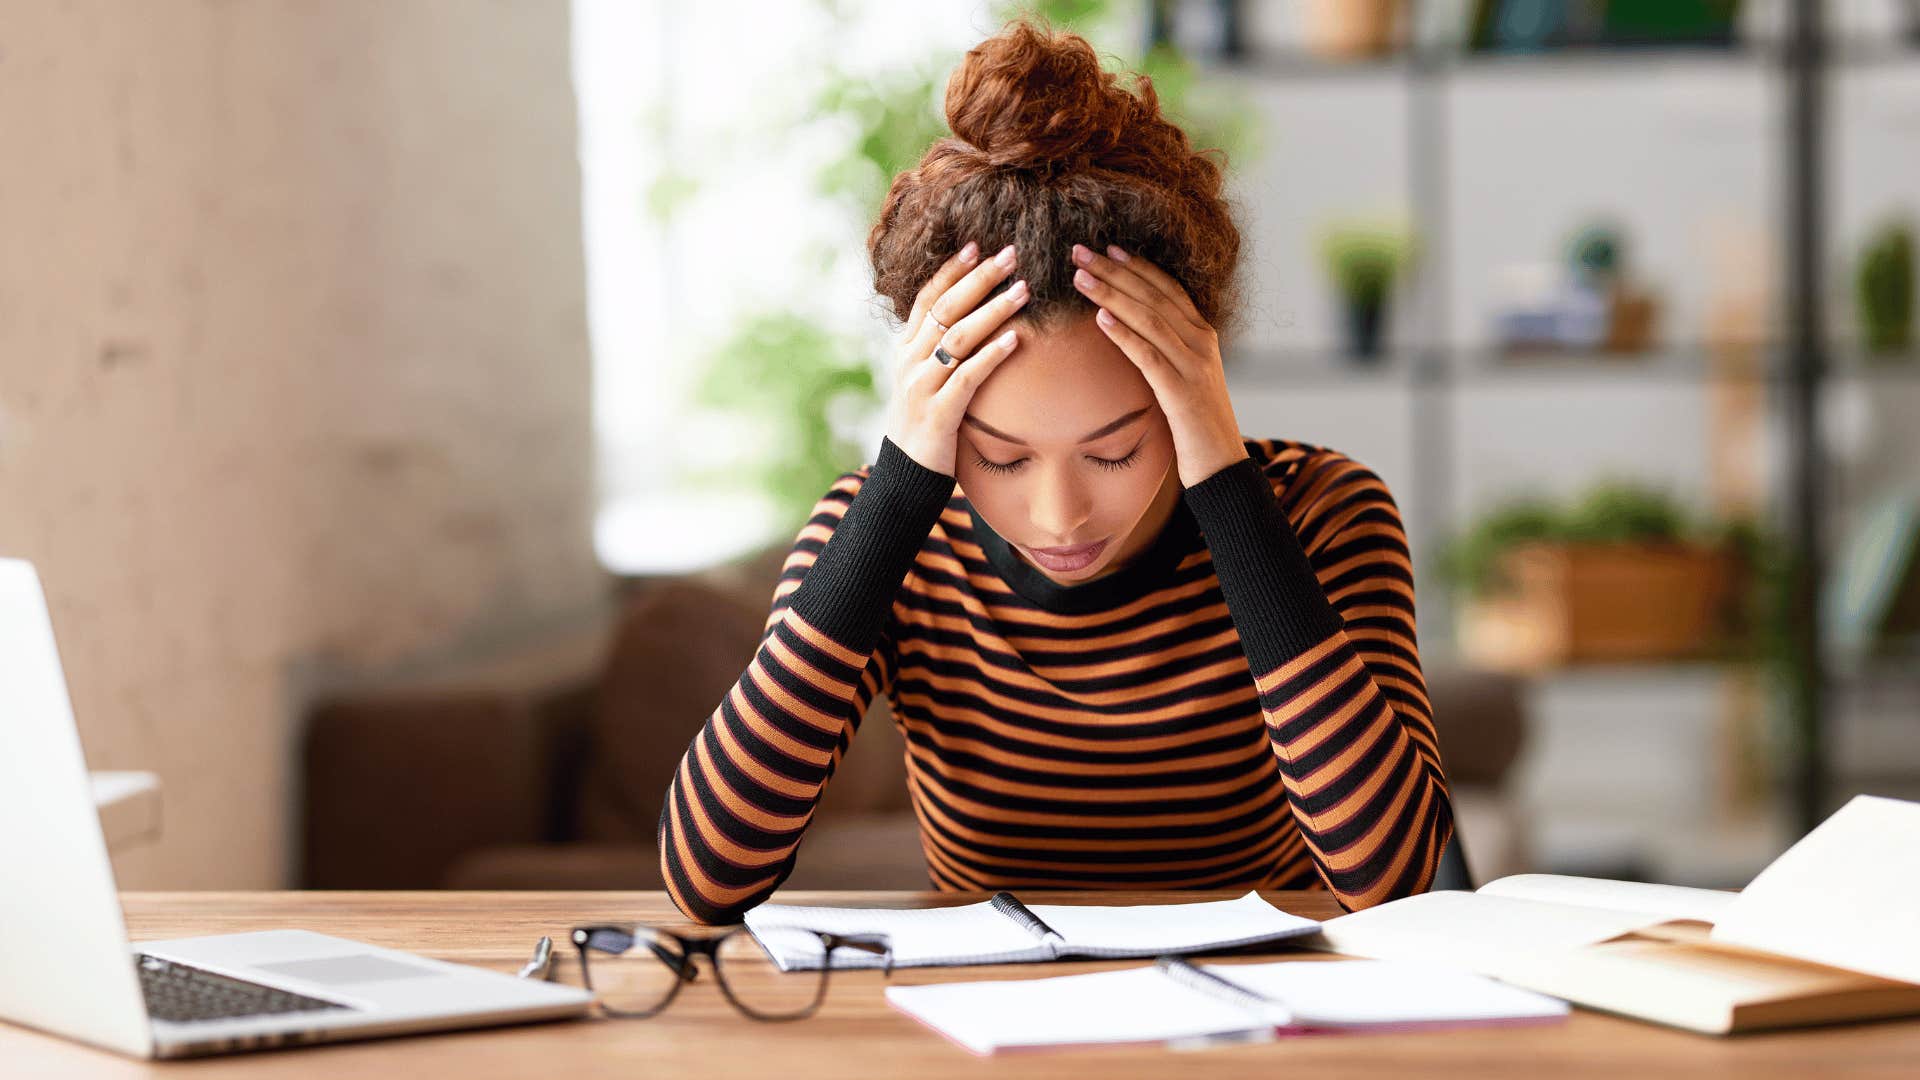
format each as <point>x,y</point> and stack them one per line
<point>759,985</point>
<point>631,973</point>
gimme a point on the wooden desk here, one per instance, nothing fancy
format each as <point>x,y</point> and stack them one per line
<point>856,1035</point>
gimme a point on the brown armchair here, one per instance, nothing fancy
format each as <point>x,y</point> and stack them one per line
<point>547,772</point>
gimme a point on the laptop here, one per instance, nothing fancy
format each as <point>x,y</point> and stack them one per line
<point>66,966</point>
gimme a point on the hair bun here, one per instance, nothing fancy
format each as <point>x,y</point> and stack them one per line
<point>1031,98</point>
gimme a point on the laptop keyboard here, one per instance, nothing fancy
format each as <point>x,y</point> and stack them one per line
<point>184,994</point>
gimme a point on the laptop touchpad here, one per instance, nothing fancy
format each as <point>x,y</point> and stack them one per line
<point>344,970</point>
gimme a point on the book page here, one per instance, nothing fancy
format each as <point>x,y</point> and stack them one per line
<point>963,934</point>
<point>1147,929</point>
<point>1668,901</point>
<point>1844,895</point>
<point>1134,1005</point>
<point>1471,930</point>
<point>1351,993</point>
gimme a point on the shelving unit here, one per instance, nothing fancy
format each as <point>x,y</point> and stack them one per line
<point>1432,374</point>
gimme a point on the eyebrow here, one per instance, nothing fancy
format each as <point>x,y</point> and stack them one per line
<point>1100,432</point>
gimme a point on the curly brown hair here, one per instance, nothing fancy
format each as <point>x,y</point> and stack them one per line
<point>1049,150</point>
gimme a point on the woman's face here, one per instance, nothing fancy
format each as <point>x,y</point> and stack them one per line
<point>1064,445</point>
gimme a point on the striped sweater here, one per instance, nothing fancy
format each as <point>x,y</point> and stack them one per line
<point>1241,706</point>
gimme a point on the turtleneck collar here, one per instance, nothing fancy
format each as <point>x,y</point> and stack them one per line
<point>1145,573</point>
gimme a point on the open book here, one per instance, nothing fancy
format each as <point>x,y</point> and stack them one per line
<point>1827,932</point>
<point>1005,931</point>
<point>1174,1000</point>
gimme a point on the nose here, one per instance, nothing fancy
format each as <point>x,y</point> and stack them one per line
<point>1059,507</point>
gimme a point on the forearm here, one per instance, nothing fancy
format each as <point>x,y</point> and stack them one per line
<point>1342,694</point>
<point>750,781</point>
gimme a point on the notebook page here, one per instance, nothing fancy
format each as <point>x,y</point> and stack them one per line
<point>1667,901</point>
<point>1148,929</point>
<point>963,934</point>
<point>1844,895</point>
<point>1138,1004</point>
<point>1470,930</point>
<point>1382,992</point>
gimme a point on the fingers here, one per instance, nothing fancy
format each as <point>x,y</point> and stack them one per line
<point>1156,277</point>
<point>1146,284</point>
<point>957,266</point>
<point>961,297</point>
<point>1146,356</point>
<point>953,398</point>
<point>1143,318</point>
<point>967,334</point>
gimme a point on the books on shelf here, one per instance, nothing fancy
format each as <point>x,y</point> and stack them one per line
<point>1003,930</point>
<point>1174,1000</point>
<point>1827,932</point>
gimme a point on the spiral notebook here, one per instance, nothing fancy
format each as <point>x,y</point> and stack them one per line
<point>1003,930</point>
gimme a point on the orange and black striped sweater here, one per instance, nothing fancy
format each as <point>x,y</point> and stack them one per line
<point>1241,706</point>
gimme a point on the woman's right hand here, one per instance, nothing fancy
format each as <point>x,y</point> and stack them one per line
<point>929,397</point>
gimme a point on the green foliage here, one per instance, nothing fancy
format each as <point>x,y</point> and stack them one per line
<point>895,118</point>
<point>1883,288</point>
<point>1364,257</point>
<point>808,369</point>
<point>1612,511</point>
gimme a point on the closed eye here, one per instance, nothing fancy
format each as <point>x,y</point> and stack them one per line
<point>1106,463</point>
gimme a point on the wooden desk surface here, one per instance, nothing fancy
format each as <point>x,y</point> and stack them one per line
<point>856,1035</point>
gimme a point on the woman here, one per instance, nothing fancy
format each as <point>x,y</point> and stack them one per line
<point>1127,647</point>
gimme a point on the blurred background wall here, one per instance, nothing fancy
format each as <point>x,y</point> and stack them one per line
<point>294,377</point>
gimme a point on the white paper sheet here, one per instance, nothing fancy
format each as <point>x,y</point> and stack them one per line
<point>1170,927</point>
<point>1144,1004</point>
<point>1848,894</point>
<point>1667,901</point>
<point>968,933</point>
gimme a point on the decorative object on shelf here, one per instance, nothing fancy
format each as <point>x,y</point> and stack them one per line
<point>1598,254</point>
<point>1365,257</point>
<point>1520,25</point>
<point>1883,290</point>
<point>1621,574</point>
<point>1353,29</point>
<point>1538,25</point>
<point>1214,28</point>
<point>1587,302</point>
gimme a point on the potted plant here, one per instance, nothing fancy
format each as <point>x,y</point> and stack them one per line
<point>1622,573</point>
<point>1364,259</point>
<point>1883,290</point>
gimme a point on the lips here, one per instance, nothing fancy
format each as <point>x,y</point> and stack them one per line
<point>1068,558</point>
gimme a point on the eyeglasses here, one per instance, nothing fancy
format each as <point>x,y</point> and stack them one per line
<point>641,968</point>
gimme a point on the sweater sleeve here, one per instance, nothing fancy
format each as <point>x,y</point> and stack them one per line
<point>1320,591</point>
<point>750,780</point>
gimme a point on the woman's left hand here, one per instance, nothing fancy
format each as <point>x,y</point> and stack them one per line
<point>1146,312</point>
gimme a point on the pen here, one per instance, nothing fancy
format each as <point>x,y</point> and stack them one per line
<point>1199,978</point>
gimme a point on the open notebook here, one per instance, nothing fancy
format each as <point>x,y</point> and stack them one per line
<point>1178,1001</point>
<point>1003,930</point>
<point>1827,932</point>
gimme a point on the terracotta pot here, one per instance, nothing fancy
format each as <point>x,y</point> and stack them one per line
<point>1587,603</point>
